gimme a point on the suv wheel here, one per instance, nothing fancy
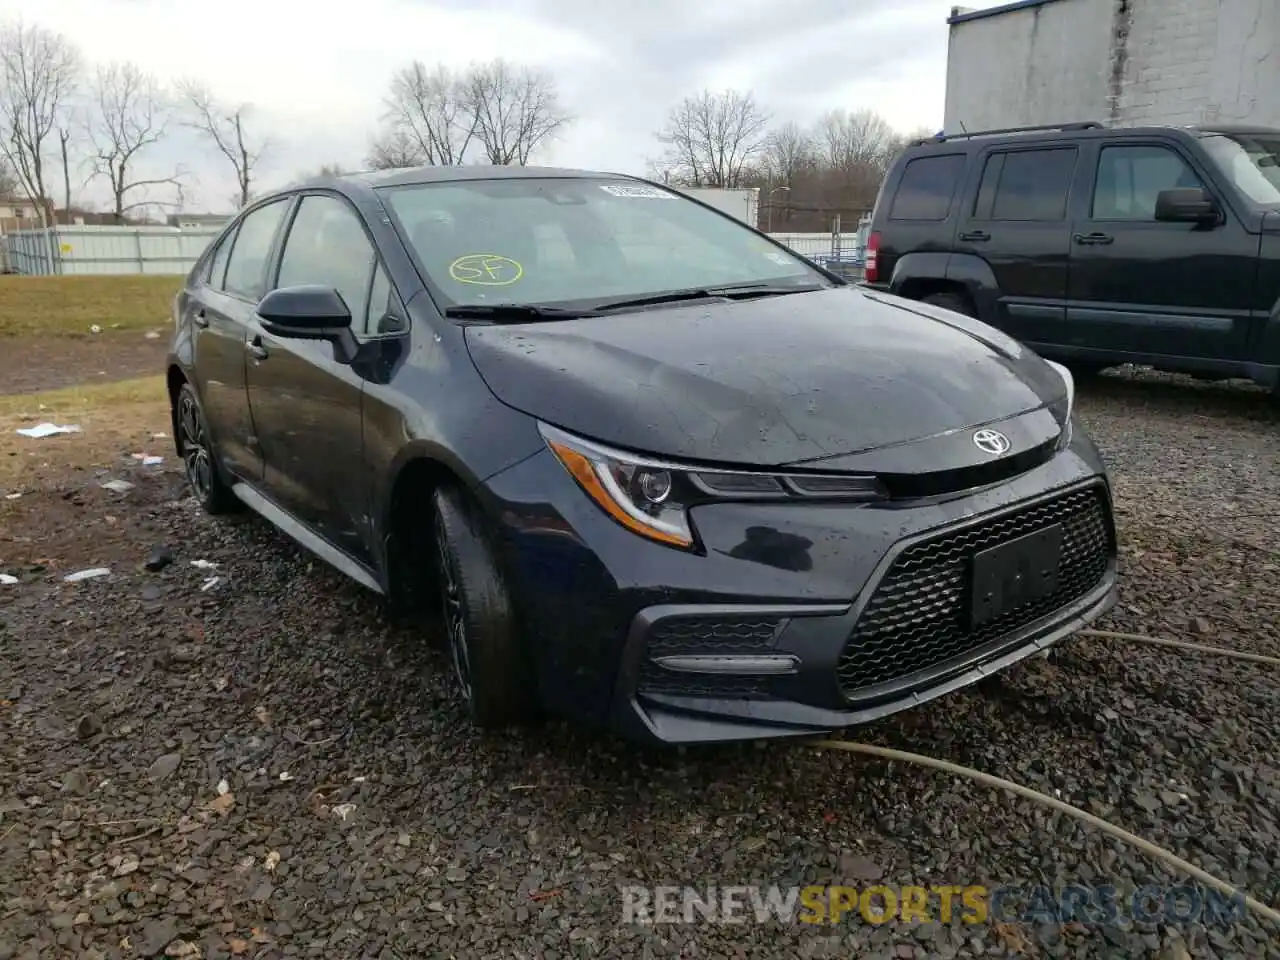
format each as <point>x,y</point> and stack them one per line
<point>198,459</point>
<point>489,660</point>
<point>955,302</point>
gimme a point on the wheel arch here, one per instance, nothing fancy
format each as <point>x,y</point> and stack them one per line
<point>406,504</point>
<point>918,275</point>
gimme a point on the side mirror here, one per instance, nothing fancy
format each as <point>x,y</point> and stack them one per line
<point>1189,205</point>
<point>305,313</point>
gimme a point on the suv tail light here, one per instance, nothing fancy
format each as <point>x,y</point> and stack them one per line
<point>871,272</point>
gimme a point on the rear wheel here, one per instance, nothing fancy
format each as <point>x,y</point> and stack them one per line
<point>490,662</point>
<point>955,302</point>
<point>198,459</point>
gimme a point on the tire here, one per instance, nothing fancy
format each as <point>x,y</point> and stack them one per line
<point>955,302</point>
<point>198,459</point>
<point>491,664</point>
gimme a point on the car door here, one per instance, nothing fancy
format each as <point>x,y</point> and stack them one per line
<point>1018,224</point>
<point>228,313</point>
<point>306,400</point>
<point>219,337</point>
<point>1143,287</point>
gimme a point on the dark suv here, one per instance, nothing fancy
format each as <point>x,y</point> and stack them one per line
<point>1096,246</point>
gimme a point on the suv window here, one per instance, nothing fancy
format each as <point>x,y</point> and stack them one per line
<point>926,188</point>
<point>247,267</point>
<point>1129,179</point>
<point>1027,184</point>
<point>327,245</point>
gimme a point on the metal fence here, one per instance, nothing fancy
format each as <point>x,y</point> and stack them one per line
<point>842,253</point>
<point>104,250</point>
<point>174,250</point>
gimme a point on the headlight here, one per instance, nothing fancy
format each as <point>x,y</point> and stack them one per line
<point>652,497</point>
<point>1064,438</point>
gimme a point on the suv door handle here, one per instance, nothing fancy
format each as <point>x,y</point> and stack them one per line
<point>976,236</point>
<point>256,349</point>
<point>1092,238</point>
<point>201,319</point>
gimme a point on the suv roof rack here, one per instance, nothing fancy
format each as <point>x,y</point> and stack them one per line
<point>943,137</point>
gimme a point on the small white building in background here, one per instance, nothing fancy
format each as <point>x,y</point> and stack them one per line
<point>740,202</point>
<point>1121,62</point>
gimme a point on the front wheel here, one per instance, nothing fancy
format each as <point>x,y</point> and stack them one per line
<point>490,662</point>
<point>197,455</point>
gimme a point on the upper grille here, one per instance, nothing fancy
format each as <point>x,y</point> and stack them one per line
<point>916,618</point>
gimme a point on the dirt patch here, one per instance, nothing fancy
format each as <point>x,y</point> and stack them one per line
<point>31,364</point>
<point>116,420</point>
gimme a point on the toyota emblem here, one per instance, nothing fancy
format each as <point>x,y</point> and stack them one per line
<point>991,441</point>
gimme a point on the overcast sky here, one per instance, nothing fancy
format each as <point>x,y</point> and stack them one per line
<point>316,72</point>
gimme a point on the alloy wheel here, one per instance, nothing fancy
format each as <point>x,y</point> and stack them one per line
<point>195,449</point>
<point>455,620</point>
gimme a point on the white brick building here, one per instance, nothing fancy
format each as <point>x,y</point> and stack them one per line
<point>1124,62</point>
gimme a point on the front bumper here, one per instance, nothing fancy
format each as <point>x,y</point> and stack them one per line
<point>798,619</point>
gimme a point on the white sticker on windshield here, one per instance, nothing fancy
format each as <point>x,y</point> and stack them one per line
<point>636,191</point>
<point>779,258</point>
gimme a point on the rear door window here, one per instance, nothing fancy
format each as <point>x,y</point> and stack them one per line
<point>926,188</point>
<point>216,269</point>
<point>247,267</point>
<point>1027,185</point>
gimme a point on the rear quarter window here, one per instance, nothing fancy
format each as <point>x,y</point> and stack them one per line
<point>927,187</point>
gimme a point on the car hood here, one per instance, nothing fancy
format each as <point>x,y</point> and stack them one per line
<point>769,382</point>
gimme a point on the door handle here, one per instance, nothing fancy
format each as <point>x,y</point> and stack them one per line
<point>1092,238</point>
<point>976,236</point>
<point>200,318</point>
<point>256,349</point>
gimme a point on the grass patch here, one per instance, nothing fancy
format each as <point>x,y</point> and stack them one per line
<point>115,419</point>
<point>68,306</point>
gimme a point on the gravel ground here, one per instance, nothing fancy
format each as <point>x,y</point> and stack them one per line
<point>268,768</point>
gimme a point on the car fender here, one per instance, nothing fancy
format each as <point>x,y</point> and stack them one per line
<point>964,269</point>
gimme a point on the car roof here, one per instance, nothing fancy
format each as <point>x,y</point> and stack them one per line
<point>407,176</point>
<point>1077,131</point>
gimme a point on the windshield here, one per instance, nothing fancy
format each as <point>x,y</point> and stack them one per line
<point>540,241</point>
<point>1251,161</point>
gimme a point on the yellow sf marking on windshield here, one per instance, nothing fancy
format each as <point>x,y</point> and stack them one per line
<point>486,269</point>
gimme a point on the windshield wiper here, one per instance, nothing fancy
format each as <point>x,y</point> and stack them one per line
<point>736,292</point>
<point>510,311</point>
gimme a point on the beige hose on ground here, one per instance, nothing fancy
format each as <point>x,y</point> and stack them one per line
<point>886,753</point>
<point>1182,645</point>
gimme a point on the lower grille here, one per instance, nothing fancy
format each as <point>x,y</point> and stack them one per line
<point>691,635</point>
<point>917,616</point>
<point>656,679</point>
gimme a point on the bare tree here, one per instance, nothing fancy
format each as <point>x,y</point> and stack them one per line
<point>853,141</point>
<point>713,137</point>
<point>788,150</point>
<point>9,185</point>
<point>129,115</point>
<point>515,110</point>
<point>38,74</point>
<point>394,149</point>
<point>430,110</point>
<point>228,130</point>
